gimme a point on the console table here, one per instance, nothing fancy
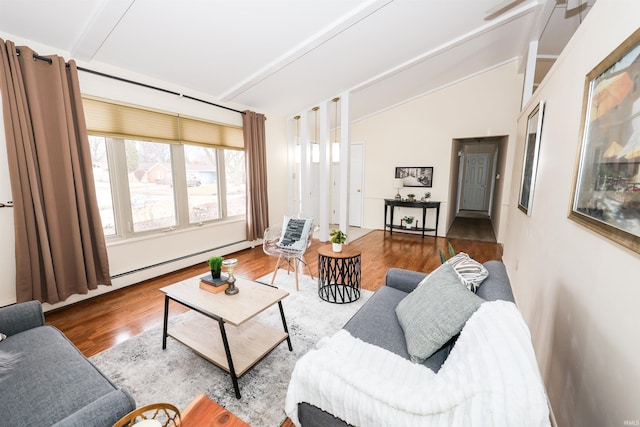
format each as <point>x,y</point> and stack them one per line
<point>407,204</point>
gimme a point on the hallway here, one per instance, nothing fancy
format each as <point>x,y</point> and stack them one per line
<point>472,228</point>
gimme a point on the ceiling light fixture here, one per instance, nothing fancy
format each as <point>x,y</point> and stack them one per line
<point>297,154</point>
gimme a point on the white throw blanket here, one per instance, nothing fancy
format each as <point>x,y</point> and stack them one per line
<point>489,379</point>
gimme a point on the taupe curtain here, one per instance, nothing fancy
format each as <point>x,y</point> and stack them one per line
<point>256,161</point>
<point>60,247</point>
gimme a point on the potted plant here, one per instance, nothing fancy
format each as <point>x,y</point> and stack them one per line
<point>411,197</point>
<point>338,238</point>
<point>408,221</point>
<point>427,195</point>
<point>215,264</point>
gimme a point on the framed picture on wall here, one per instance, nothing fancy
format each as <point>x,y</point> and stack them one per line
<point>530,162</point>
<point>415,176</point>
<point>606,193</point>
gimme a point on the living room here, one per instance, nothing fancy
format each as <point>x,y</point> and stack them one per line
<point>575,288</point>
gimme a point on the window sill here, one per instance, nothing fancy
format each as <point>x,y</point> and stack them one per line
<point>154,235</point>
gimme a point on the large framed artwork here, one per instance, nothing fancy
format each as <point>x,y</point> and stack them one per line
<point>606,194</point>
<point>530,162</point>
<point>415,176</point>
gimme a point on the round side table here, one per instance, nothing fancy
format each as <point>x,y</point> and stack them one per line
<point>339,274</point>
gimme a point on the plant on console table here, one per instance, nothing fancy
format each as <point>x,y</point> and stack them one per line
<point>215,264</point>
<point>411,197</point>
<point>427,196</point>
<point>338,238</point>
<point>408,221</point>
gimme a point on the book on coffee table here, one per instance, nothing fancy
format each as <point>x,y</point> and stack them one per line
<point>213,288</point>
<point>208,283</point>
<point>209,280</point>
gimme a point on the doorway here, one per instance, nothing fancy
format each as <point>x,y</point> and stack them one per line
<point>475,187</point>
<point>356,181</point>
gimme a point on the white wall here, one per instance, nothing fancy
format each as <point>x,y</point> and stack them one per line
<point>124,257</point>
<point>421,133</point>
<point>577,290</point>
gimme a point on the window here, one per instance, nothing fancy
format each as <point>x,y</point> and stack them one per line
<point>149,184</point>
<point>149,177</point>
<point>202,183</point>
<point>98,146</point>
<point>236,181</point>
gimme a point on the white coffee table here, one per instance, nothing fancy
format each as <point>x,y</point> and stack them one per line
<point>227,334</point>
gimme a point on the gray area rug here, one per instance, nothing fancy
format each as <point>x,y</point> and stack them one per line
<point>177,375</point>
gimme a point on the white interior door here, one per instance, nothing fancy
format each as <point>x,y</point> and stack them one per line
<point>356,179</point>
<point>475,182</point>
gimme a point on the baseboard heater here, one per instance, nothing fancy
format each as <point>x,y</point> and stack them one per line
<point>137,270</point>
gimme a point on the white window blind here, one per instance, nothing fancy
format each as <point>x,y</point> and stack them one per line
<point>132,122</point>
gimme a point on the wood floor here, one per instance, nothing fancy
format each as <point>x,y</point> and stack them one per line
<point>99,323</point>
<point>472,228</point>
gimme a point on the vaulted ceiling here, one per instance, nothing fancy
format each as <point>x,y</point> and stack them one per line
<point>284,56</point>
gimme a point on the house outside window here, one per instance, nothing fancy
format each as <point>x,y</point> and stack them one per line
<point>201,166</point>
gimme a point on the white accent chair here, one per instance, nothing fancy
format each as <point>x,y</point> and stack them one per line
<point>289,243</point>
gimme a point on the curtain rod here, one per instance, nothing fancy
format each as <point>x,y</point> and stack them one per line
<point>98,73</point>
<point>41,58</point>
<point>86,70</point>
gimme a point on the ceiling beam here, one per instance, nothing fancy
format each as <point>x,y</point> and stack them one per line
<point>548,7</point>
<point>501,8</point>
<point>535,33</point>
<point>305,47</point>
<point>106,16</point>
<point>530,72</point>
<point>432,90</point>
<point>483,29</point>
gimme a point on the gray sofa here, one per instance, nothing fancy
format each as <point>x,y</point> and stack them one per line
<point>376,323</point>
<point>46,381</point>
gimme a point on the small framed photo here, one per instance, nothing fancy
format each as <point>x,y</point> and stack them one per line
<point>415,176</point>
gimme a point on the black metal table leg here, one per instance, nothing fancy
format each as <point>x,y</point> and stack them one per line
<point>391,224</point>
<point>284,324</point>
<point>166,322</point>
<point>227,350</point>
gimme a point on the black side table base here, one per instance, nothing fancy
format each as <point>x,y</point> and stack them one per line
<point>339,277</point>
<point>338,294</point>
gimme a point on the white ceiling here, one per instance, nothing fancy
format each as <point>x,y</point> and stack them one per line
<point>285,56</point>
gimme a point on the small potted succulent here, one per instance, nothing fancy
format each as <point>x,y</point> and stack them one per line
<point>408,221</point>
<point>411,197</point>
<point>338,238</point>
<point>215,264</point>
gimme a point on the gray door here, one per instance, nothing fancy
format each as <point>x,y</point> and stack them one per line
<point>475,182</point>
